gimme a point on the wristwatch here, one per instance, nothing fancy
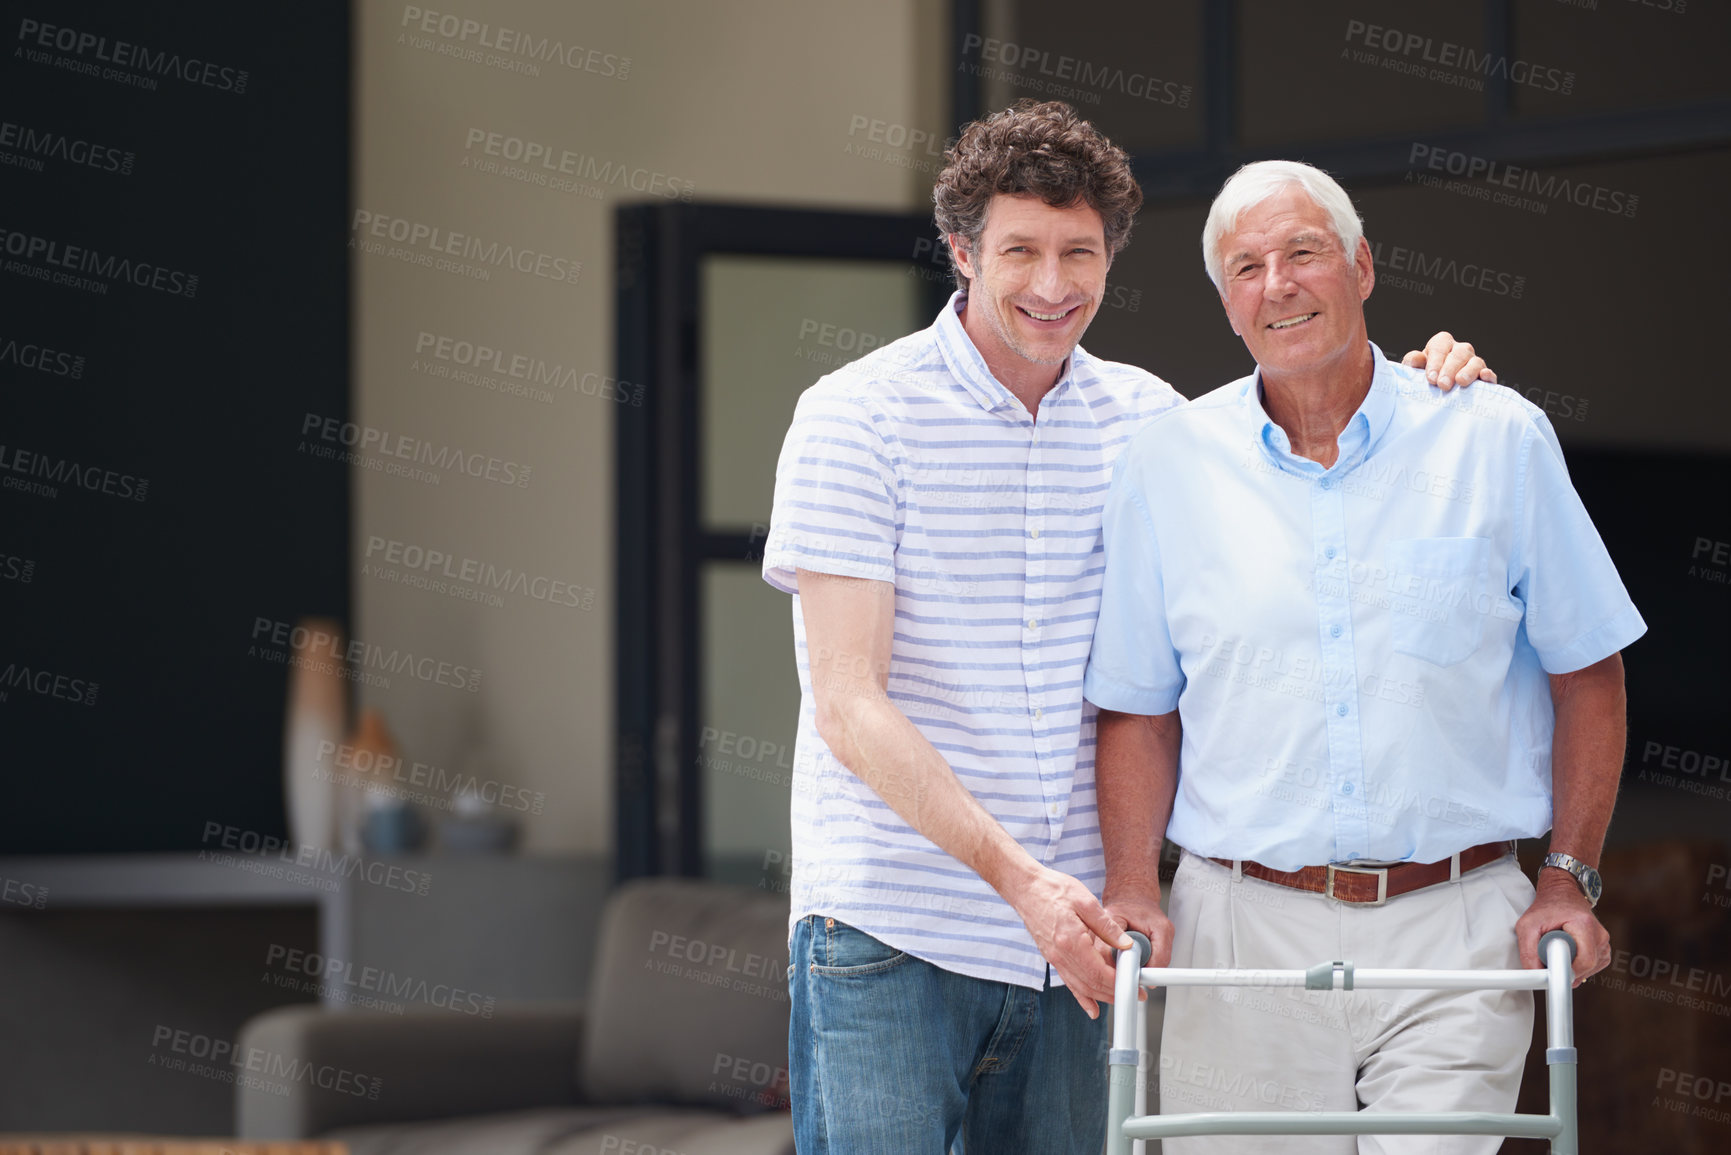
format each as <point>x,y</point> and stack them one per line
<point>1591,884</point>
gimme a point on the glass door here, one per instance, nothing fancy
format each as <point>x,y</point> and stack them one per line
<point>727,314</point>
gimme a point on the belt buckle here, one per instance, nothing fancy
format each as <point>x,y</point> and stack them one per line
<point>1381,873</point>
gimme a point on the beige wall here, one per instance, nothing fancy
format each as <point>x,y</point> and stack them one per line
<point>748,100</point>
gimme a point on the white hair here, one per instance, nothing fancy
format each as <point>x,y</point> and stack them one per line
<point>1255,183</point>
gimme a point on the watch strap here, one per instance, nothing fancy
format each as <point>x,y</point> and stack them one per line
<point>1587,878</point>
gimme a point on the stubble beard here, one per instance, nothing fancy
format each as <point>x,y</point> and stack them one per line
<point>1001,327</point>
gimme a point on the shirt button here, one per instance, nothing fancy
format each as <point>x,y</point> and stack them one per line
<point>1334,631</point>
<point>1329,553</point>
<point>1035,534</point>
<point>1038,713</point>
<point>1341,709</point>
<point>1033,623</point>
<point>1327,483</point>
<point>1346,788</point>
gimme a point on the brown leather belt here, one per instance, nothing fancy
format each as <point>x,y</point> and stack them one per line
<point>1374,885</point>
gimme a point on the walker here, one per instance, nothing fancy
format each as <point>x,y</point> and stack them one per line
<point>1128,1100</point>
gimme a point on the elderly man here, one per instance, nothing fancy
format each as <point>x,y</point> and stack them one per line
<point>1354,638</point>
<point>937,517</point>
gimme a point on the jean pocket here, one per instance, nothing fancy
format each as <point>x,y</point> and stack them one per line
<point>1438,597</point>
<point>839,949</point>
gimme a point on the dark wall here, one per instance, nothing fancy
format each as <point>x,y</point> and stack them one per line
<point>106,1007</point>
<point>179,174</point>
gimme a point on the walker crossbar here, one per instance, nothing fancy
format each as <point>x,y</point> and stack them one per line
<point>1347,977</point>
<point>1342,1123</point>
<point>1127,1063</point>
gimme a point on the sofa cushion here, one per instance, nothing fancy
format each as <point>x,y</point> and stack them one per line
<point>426,1064</point>
<point>684,1134</point>
<point>530,1132</point>
<point>688,998</point>
<point>577,1131</point>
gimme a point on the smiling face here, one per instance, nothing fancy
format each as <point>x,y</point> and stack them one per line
<point>1035,280</point>
<point>1291,291</point>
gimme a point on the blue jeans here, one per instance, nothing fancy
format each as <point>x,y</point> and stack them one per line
<point>890,1054</point>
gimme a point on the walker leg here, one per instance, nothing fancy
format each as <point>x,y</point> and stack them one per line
<point>1120,1102</point>
<point>1124,1061</point>
<point>1557,951</point>
<point>1140,1146</point>
<point>1568,1140</point>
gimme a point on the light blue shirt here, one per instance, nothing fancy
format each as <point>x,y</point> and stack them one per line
<point>1358,654</point>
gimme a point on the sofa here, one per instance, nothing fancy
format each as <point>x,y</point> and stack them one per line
<point>679,1048</point>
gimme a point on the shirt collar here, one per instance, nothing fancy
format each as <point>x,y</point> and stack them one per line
<point>969,367</point>
<point>1363,429</point>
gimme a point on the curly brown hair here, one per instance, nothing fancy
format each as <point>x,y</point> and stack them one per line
<point>1034,148</point>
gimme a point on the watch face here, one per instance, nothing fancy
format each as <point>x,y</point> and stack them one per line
<point>1592,884</point>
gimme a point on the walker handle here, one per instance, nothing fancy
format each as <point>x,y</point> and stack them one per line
<point>1551,936</point>
<point>1145,949</point>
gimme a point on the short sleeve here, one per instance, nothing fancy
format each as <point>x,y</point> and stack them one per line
<point>835,494</point>
<point>1132,667</point>
<point>1577,610</point>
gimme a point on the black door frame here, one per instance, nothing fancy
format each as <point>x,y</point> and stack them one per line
<point>660,540</point>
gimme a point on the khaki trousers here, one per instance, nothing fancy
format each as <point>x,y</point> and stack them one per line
<point>1274,1048</point>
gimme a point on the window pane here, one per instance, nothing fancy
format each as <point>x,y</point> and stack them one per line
<point>1135,70</point>
<point>1345,70</point>
<point>749,711</point>
<point>1617,55</point>
<point>771,327</point>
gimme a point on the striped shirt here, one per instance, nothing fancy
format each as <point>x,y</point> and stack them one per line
<point>913,465</point>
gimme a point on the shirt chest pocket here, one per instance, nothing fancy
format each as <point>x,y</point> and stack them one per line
<point>1438,596</point>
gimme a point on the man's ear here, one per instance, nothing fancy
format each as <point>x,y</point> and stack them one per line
<point>1229,319</point>
<point>960,255</point>
<point>1366,268</point>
